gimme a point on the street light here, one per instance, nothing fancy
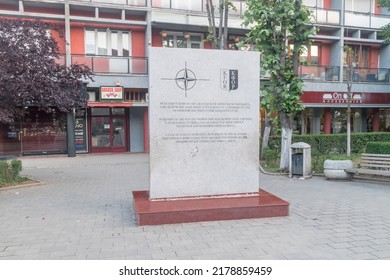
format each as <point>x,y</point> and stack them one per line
<point>350,72</point>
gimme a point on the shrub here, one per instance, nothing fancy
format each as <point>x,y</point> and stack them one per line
<point>3,171</point>
<point>331,146</point>
<point>10,172</point>
<point>378,148</point>
<point>334,143</point>
<point>16,168</point>
<point>271,159</point>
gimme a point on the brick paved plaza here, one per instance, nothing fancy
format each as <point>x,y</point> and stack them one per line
<point>83,210</point>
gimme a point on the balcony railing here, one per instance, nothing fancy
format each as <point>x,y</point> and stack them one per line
<point>367,75</point>
<point>316,73</point>
<point>367,20</point>
<point>325,16</point>
<point>198,5</point>
<point>139,3</point>
<point>319,73</point>
<point>113,65</point>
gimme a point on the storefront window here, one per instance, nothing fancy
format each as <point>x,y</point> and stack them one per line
<point>357,120</point>
<point>41,127</point>
<point>118,111</point>
<point>339,121</point>
<point>313,121</point>
<point>384,120</point>
<point>100,111</point>
<point>297,124</point>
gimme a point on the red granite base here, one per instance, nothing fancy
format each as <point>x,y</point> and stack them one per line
<point>259,205</point>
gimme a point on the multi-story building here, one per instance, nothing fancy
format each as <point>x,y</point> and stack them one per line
<point>112,37</point>
<point>353,23</point>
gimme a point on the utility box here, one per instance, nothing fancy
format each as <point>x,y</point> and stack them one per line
<point>300,160</point>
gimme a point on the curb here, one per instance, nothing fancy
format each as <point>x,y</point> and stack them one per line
<point>31,184</point>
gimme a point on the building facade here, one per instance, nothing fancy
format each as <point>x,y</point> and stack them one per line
<point>112,37</point>
<point>325,70</point>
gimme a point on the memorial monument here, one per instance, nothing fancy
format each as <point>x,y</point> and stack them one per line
<point>204,137</point>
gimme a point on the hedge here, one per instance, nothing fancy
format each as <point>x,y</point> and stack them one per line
<point>378,148</point>
<point>334,143</point>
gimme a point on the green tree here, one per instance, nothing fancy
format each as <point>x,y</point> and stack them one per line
<point>280,30</point>
<point>385,29</point>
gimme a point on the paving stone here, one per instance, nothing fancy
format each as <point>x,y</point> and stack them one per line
<point>380,240</point>
<point>363,256</point>
<point>382,254</point>
<point>84,210</point>
<point>381,247</point>
<point>341,245</point>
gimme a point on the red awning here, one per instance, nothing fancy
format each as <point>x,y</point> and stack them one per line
<point>110,104</point>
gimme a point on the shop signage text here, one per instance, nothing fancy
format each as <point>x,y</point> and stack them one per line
<point>341,97</point>
<point>111,93</point>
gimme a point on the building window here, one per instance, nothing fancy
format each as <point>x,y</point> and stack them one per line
<point>309,55</point>
<point>136,95</point>
<point>359,6</point>
<point>107,42</point>
<point>359,56</point>
<point>179,4</point>
<point>313,3</point>
<point>178,40</point>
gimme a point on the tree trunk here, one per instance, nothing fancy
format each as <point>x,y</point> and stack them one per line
<point>225,26</point>
<point>267,131</point>
<point>286,122</point>
<point>220,31</point>
<point>211,18</point>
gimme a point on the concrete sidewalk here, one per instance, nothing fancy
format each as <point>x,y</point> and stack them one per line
<point>83,210</point>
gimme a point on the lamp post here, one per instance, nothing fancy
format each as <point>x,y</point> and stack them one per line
<point>70,116</point>
<point>349,95</point>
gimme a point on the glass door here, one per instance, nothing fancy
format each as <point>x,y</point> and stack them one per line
<point>108,131</point>
<point>101,132</point>
<point>118,134</point>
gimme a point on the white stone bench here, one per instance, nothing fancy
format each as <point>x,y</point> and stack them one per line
<point>373,164</point>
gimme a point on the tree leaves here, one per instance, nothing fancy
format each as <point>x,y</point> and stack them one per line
<point>274,25</point>
<point>29,73</point>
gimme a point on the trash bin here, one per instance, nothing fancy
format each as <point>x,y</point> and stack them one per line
<point>297,164</point>
<point>300,160</point>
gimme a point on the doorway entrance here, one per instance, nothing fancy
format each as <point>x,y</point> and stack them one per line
<point>108,130</point>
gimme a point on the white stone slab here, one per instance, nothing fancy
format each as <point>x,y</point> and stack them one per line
<point>204,122</point>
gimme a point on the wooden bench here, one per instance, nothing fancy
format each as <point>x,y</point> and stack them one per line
<point>372,164</point>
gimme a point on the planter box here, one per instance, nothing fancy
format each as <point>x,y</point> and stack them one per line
<point>334,169</point>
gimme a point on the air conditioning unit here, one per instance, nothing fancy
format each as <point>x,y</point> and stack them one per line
<point>91,96</point>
